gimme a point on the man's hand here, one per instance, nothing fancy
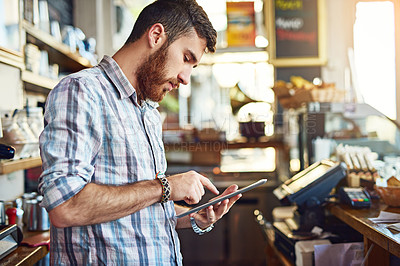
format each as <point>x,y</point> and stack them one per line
<point>211,214</point>
<point>189,187</point>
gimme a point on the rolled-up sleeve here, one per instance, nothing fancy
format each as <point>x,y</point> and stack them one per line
<point>69,142</point>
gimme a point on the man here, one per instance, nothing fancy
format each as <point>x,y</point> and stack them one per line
<point>103,157</point>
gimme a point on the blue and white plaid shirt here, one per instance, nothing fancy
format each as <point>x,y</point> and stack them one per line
<point>97,133</point>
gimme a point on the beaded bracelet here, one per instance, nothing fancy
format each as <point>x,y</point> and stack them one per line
<point>166,189</point>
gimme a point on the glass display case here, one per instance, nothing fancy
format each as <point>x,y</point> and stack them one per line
<point>340,123</point>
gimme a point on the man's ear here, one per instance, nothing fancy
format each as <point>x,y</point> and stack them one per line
<point>156,35</point>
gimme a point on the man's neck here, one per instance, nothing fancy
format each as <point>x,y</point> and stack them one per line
<point>129,58</point>
<point>139,95</point>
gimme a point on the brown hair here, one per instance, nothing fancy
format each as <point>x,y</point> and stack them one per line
<point>179,17</point>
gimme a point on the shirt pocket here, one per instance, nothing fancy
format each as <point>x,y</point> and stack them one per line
<point>114,144</point>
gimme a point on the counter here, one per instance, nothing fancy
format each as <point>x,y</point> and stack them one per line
<point>25,255</point>
<point>385,241</point>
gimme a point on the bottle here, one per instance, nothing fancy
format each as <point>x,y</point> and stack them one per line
<point>12,215</point>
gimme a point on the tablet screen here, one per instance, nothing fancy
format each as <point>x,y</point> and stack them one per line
<point>215,201</point>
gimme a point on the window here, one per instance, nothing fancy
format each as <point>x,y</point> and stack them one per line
<point>374,55</point>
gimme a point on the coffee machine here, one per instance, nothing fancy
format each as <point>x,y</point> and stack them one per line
<point>6,151</point>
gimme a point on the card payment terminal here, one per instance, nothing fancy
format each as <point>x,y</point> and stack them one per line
<point>356,197</point>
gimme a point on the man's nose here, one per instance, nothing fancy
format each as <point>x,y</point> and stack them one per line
<point>184,75</point>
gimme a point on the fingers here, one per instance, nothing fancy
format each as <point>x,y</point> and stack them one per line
<point>233,200</point>
<point>230,189</point>
<point>224,206</point>
<point>207,183</point>
<point>200,189</point>
<point>200,182</point>
<point>198,192</point>
<point>190,187</point>
<point>212,214</point>
<point>205,217</point>
<point>196,195</point>
<point>221,209</point>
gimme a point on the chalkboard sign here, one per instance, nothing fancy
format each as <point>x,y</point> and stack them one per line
<point>296,32</point>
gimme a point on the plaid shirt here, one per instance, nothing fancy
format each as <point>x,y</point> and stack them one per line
<point>96,132</point>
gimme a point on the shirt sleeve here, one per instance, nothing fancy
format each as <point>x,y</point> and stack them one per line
<point>69,142</point>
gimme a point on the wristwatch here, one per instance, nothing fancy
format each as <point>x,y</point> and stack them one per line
<point>197,229</point>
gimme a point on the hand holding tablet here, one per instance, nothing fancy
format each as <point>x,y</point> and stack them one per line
<point>215,201</point>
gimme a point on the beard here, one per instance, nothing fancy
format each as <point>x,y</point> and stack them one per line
<point>151,75</point>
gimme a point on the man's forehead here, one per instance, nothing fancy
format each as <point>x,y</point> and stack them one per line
<point>193,44</point>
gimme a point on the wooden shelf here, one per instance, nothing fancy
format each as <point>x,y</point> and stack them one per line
<point>220,145</point>
<point>58,52</point>
<point>236,55</point>
<point>11,58</point>
<point>274,143</point>
<point>244,49</point>
<point>38,81</point>
<point>9,166</point>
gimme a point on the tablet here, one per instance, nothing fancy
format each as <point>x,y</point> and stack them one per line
<point>215,201</point>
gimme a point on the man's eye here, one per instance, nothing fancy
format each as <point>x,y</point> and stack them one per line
<point>186,59</point>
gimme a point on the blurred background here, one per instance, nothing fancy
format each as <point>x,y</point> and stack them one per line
<point>292,82</point>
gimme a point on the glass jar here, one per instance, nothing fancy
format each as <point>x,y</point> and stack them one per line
<point>35,120</point>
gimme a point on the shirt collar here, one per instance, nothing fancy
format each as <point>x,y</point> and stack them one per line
<point>121,82</point>
<point>152,104</point>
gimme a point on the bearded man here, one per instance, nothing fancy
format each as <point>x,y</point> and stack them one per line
<point>103,158</point>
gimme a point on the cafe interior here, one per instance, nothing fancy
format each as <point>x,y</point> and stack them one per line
<point>302,93</point>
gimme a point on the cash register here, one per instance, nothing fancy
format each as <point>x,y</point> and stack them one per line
<point>307,190</point>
